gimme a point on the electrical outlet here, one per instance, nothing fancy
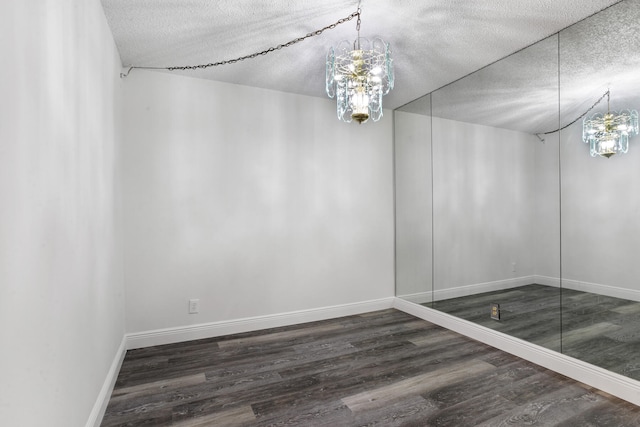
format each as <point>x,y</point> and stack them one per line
<point>513,267</point>
<point>194,306</point>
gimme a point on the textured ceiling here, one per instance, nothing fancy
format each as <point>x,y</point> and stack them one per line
<point>576,67</point>
<point>434,42</point>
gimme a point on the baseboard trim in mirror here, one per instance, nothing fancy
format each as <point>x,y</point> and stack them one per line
<point>607,381</point>
<point>478,288</point>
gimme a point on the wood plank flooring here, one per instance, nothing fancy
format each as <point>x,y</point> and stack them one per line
<point>385,368</point>
<point>601,330</point>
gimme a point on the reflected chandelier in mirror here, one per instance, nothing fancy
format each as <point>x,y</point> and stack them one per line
<point>608,134</point>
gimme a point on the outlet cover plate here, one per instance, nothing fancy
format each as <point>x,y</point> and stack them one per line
<point>194,306</point>
<point>495,311</point>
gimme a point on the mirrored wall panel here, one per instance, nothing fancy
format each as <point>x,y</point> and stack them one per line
<point>518,194</point>
<point>600,217</point>
<point>413,200</point>
<point>491,242</point>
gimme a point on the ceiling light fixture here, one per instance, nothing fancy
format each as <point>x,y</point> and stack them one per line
<point>358,75</point>
<point>608,134</point>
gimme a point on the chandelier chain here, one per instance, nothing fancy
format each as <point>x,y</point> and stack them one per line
<point>579,117</point>
<point>256,54</point>
<point>356,43</point>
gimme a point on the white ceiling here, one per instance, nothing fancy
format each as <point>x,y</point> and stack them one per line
<point>554,82</point>
<point>434,42</point>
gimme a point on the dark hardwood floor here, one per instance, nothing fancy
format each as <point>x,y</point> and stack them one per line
<point>384,368</point>
<point>599,329</point>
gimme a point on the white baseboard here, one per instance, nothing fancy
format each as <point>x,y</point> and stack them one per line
<point>99,408</point>
<point>466,290</point>
<point>610,382</point>
<point>227,327</point>
<point>576,285</point>
<point>418,297</point>
<point>477,288</point>
<point>546,280</point>
<point>595,288</point>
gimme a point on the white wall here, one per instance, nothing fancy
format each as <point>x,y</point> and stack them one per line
<point>256,202</point>
<point>483,202</point>
<point>61,286</point>
<point>413,205</point>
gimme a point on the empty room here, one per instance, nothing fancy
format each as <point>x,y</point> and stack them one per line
<point>338,213</point>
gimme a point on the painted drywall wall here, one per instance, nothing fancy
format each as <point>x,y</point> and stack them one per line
<point>413,205</point>
<point>61,285</point>
<point>255,202</point>
<point>483,192</point>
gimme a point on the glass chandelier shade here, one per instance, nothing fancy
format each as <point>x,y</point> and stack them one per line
<point>608,134</point>
<point>358,75</point>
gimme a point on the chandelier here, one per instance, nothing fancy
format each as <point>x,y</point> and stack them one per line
<point>358,75</point>
<point>608,134</point>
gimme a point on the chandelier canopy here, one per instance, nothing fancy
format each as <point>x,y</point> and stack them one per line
<point>608,134</point>
<point>358,75</point>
